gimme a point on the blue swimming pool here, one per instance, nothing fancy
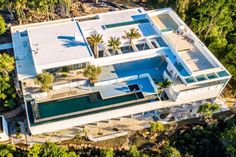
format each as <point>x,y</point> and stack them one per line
<point>178,66</point>
<point>161,42</point>
<point>144,84</point>
<point>154,66</point>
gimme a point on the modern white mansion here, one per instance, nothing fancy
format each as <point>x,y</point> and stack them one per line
<point>127,85</point>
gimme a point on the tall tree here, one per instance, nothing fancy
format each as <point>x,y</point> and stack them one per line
<point>228,138</point>
<point>132,34</point>
<point>107,152</point>
<point>165,84</point>
<point>2,26</point>
<point>20,5</point>
<point>94,40</point>
<point>7,91</point>
<point>114,43</point>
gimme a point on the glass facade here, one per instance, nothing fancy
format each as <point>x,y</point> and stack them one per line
<point>66,68</point>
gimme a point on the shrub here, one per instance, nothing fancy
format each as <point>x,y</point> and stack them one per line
<point>157,127</point>
<point>91,72</point>
<point>45,80</point>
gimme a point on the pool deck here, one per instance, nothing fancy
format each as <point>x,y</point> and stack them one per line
<point>112,90</point>
<point>144,84</point>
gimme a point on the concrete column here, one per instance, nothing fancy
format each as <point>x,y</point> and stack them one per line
<point>142,113</point>
<point>120,118</point>
<point>131,116</point>
<point>109,121</point>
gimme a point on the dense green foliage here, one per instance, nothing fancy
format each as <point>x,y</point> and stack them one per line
<point>169,151</point>
<point>7,90</point>
<point>10,151</point>
<point>228,139</point>
<point>207,109</point>
<point>207,140</point>
<point>157,127</point>
<point>107,153</point>
<point>2,25</point>
<point>202,140</point>
<point>213,21</point>
<point>50,150</point>
<point>134,152</point>
<point>24,8</point>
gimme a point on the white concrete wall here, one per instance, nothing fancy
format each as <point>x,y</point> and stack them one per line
<point>195,94</point>
<point>200,93</point>
<point>4,135</point>
<point>69,85</point>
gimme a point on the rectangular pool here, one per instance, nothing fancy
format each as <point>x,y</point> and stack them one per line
<point>75,104</point>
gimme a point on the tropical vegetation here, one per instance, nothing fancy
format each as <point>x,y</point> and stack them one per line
<point>165,83</point>
<point>132,34</point>
<point>25,10</point>
<point>45,81</point>
<point>162,85</point>
<point>107,152</point>
<point>7,91</point>
<point>207,109</point>
<point>91,72</point>
<point>114,43</point>
<point>2,26</point>
<point>157,127</point>
<point>94,40</point>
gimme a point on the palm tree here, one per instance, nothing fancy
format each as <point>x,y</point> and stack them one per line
<point>94,40</point>
<point>165,84</point>
<point>114,43</point>
<point>131,35</point>
<point>91,72</point>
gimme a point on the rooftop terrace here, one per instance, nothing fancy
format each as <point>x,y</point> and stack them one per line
<point>60,43</point>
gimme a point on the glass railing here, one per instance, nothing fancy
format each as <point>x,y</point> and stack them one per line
<point>126,23</point>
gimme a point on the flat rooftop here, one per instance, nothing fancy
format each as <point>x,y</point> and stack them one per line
<point>114,24</point>
<point>63,42</point>
<point>58,45</point>
<point>189,53</point>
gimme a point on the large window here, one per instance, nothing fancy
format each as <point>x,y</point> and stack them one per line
<point>66,68</point>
